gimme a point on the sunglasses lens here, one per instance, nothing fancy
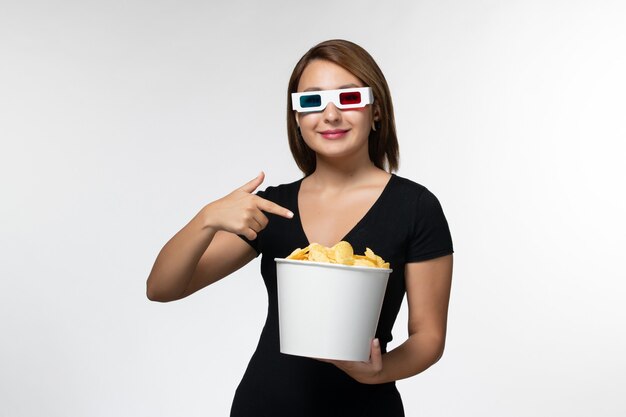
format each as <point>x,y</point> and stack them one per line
<point>312,100</point>
<point>353,97</point>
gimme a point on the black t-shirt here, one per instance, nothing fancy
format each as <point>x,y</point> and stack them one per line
<point>405,224</point>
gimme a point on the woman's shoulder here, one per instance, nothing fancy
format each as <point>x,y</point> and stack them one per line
<point>414,192</point>
<point>406,185</point>
<point>281,192</point>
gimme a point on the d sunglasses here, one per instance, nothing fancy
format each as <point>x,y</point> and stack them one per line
<point>345,98</point>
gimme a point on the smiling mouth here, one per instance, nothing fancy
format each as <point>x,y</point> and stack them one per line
<point>334,133</point>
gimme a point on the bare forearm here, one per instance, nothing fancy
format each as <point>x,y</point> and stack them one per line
<point>175,264</point>
<point>415,355</point>
<point>193,259</point>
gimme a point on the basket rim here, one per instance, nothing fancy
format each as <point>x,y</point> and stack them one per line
<point>332,266</point>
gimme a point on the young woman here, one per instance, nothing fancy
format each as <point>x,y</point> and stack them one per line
<point>342,136</point>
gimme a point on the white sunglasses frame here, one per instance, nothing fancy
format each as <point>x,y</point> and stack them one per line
<point>332,96</point>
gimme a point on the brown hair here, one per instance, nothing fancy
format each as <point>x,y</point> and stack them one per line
<point>383,143</point>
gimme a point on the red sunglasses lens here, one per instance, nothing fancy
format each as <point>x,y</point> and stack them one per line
<point>353,97</point>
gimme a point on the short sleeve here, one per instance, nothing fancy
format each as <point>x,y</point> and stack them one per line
<point>430,235</point>
<point>256,243</point>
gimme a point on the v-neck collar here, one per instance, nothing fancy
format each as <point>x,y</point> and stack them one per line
<point>357,225</point>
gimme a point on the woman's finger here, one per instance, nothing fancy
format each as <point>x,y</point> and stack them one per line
<point>252,223</point>
<point>260,219</point>
<point>250,234</point>
<point>271,207</point>
<point>252,185</point>
<point>376,357</point>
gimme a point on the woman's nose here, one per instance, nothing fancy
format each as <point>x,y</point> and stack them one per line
<point>331,113</point>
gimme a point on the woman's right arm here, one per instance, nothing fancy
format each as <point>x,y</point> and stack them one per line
<point>207,248</point>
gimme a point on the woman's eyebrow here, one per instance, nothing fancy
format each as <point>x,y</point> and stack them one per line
<point>351,85</point>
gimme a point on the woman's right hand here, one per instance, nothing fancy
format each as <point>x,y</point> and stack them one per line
<point>241,212</point>
<point>198,255</point>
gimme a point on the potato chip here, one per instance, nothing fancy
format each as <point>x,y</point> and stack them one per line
<point>341,253</point>
<point>318,253</point>
<point>299,254</point>
<point>344,254</point>
<point>364,261</point>
<point>375,258</point>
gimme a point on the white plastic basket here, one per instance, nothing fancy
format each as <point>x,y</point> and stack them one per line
<point>328,311</point>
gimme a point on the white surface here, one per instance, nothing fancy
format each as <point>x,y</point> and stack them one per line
<point>328,311</point>
<point>120,120</point>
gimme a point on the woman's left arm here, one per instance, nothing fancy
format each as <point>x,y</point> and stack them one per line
<point>428,293</point>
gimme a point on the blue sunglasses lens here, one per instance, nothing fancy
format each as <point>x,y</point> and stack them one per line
<point>312,100</point>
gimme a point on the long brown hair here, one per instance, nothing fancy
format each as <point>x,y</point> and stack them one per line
<point>383,142</point>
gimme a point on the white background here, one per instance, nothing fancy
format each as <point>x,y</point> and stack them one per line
<point>120,120</point>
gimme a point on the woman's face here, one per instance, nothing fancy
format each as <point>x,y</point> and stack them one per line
<point>333,133</point>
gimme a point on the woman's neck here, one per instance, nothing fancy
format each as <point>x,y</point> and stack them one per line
<point>342,174</point>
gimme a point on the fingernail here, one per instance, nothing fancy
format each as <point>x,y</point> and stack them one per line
<point>290,214</point>
<point>376,342</point>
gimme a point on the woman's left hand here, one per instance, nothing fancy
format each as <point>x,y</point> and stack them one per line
<point>364,372</point>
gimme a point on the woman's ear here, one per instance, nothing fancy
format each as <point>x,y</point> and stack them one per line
<point>375,118</point>
<point>376,115</point>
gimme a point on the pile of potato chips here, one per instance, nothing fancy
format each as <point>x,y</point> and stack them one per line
<point>342,253</point>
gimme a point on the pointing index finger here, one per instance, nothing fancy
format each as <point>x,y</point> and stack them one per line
<point>271,207</point>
